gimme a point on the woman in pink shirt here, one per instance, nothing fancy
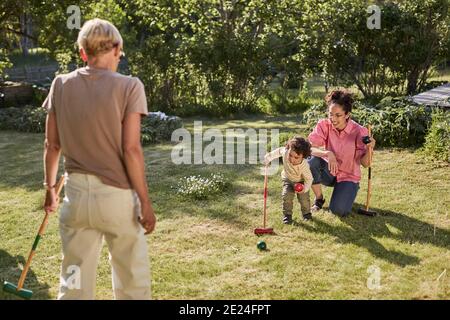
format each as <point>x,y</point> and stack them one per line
<point>338,152</point>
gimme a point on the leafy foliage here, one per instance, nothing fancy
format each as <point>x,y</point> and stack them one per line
<point>437,141</point>
<point>4,61</point>
<point>219,57</point>
<point>212,56</point>
<point>400,124</point>
<point>395,59</point>
<point>157,127</point>
<point>26,119</point>
<point>281,100</point>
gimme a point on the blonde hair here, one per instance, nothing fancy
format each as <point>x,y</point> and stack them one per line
<point>99,36</point>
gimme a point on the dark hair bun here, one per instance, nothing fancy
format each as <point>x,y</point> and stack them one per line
<point>343,98</point>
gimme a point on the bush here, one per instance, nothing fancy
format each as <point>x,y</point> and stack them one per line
<point>284,137</point>
<point>40,92</point>
<point>437,141</point>
<point>313,115</point>
<point>282,101</point>
<point>403,124</point>
<point>26,119</point>
<point>199,187</point>
<point>157,127</point>
<point>400,124</point>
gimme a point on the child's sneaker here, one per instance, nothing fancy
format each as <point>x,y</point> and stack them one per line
<point>307,216</point>
<point>318,204</point>
<point>287,219</point>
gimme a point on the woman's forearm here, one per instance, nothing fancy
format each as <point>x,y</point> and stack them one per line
<point>52,154</point>
<point>134,163</point>
<point>317,152</point>
<point>365,160</point>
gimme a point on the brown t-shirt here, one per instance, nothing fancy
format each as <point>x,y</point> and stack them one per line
<point>90,105</point>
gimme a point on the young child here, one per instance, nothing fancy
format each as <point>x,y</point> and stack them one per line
<point>296,170</point>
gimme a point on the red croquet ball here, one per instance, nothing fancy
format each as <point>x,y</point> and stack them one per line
<point>298,187</point>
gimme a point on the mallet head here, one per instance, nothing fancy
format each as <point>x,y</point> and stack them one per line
<point>260,231</point>
<point>366,212</point>
<point>12,288</point>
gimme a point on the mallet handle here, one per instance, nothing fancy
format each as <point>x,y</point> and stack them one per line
<point>369,184</point>
<point>41,231</point>
<point>265,198</point>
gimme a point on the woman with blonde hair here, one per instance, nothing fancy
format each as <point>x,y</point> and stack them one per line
<point>93,119</point>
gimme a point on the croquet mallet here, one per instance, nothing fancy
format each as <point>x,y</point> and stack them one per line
<point>366,211</point>
<point>19,290</point>
<point>264,230</point>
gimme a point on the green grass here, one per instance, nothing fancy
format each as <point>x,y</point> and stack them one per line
<point>207,249</point>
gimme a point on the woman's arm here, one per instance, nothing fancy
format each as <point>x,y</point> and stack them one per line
<point>318,151</point>
<point>318,139</point>
<point>365,160</point>
<point>321,152</point>
<point>52,153</point>
<point>134,163</point>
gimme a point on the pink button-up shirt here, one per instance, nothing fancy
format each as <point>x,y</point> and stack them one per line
<point>347,146</point>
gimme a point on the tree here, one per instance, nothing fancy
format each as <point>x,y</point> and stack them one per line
<point>215,55</point>
<point>395,59</point>
<point>427,37</point>
<point>11,29</point>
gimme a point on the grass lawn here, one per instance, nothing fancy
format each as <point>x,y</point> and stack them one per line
<point>207,249</point>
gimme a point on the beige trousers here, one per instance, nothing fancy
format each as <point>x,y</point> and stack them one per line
<point>93,212</point>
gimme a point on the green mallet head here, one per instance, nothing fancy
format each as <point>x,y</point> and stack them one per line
<point>12,288</point>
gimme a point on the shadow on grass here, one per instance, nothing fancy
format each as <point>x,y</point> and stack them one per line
<point>10,272</point>
<point>363,231</point>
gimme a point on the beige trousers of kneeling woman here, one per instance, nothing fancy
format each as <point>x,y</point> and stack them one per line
<point>93,211</point>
